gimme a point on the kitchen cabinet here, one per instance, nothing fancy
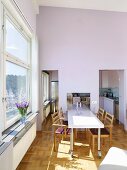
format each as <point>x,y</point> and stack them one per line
<point>104,79</point>
<point>108,79</point>
<point>107,104</point>
<point>117,111</point>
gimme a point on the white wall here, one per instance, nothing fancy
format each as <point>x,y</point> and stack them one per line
<point>79,43</point>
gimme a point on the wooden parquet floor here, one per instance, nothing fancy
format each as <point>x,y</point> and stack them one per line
<point>41,156</point>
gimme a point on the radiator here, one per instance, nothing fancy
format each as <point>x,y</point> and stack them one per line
<point>6,156</point>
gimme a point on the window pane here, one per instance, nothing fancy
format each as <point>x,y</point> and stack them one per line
<point>16,44</point>
<point>16,88</point>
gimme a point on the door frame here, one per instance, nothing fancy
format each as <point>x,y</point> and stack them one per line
<point>124,92</point>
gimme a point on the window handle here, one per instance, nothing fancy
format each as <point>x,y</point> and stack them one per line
<point>4,99</point>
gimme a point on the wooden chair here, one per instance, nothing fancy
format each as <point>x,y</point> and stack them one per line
<point>106,132</point>
<point>62,117</point>
<point>65,122</point>
<point>59,130</point>
<point>100,114</point>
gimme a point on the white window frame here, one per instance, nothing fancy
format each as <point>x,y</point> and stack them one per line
<point>8,57</point>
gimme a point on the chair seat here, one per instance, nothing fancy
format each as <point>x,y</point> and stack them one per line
<point>59,130</point>
<point>65,122</point>
<point>104,131</point>
<point>68,131</point>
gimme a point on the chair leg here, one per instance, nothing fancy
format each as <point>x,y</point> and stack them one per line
<point>89,138</point>
<point>54,142</point>
<point>93,143</point>
<point>110,137</point>
<point>110,140</point>
<point>85,132</point>
<point>75,133</point>
<point>62,137</point>
<point>103,141</point>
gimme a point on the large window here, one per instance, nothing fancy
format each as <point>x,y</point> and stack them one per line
<point>16,88</point>
<point>16,67</point>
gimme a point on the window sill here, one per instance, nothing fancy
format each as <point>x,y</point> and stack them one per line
<point>11,133</point>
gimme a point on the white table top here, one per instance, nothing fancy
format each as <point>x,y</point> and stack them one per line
<point>83,118</point>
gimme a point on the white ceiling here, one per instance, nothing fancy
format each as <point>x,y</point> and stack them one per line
<point>106,5</point>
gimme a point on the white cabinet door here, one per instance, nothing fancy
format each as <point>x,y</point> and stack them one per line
<point>109,105</point>
<point>105,79</point>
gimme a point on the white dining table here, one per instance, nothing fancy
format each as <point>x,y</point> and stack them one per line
<point>83,118</point>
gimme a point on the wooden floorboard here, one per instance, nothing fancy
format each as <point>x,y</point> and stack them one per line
<point>41,156</point>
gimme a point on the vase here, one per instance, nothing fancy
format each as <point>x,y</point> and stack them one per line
<point>23,119</point>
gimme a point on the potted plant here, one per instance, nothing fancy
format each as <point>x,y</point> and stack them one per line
<point>22,107</point>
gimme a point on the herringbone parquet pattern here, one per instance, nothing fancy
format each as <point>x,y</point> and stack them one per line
<point>41,156</point>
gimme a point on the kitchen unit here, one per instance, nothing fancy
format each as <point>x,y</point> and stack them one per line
<point>110,92</point>
<point>117,111</point>
<point>107,104</point>
<point>110,105</point>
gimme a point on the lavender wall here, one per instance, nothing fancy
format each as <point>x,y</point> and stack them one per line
<point>78,43</point>
<point>27,9</point>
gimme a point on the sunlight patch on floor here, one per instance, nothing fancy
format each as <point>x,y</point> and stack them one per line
<point>83,161</point>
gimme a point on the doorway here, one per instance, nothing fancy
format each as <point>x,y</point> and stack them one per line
<point>54,95</point>
<point>112,92</point>
<point>50,93</point>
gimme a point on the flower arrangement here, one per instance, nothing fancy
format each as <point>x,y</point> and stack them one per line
<point>22,107</point>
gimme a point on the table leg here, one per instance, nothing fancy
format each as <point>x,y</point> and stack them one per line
<point>71,142</point>
<point>99,144</point>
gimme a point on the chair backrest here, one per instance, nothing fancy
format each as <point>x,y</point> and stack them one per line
<point>76,100</point>
<point>100,114</point>
<point>108,120</point>
<point>55,118</point>
<point>61,114</point>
